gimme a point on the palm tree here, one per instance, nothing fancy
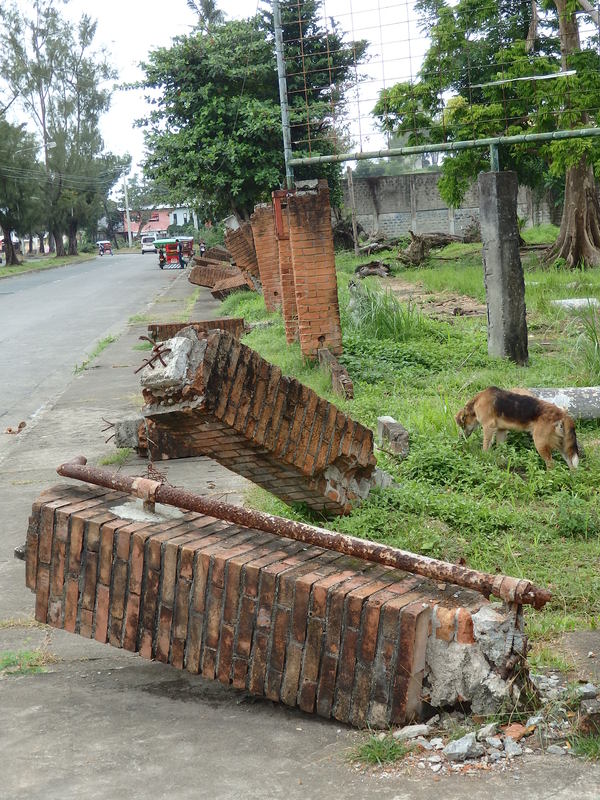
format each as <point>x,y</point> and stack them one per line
<point>208,13</point>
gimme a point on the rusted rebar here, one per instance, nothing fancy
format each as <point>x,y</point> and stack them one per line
<point>158,351</point>
<point>511,590</point>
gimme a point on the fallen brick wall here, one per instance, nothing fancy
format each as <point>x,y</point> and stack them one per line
<point>219,398</point>
<point>209,274</point>
<point>307,627</point>
<point>218,253</point>
<point>315,281</point>
<point>160,331</point>
<point>240,243</point>
<point>267,254</point>
<point>237,283</point>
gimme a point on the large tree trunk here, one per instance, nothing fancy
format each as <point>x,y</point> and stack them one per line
<point>41,248</point>
<point>12,259</point>
<point>579,236</point>
<point>58,243</point>
<point>72,251</point>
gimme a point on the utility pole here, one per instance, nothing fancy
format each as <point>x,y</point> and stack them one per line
<point>283,101</point>
<point>129,239</point>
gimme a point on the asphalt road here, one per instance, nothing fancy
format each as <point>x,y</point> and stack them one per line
<point>52,320</point>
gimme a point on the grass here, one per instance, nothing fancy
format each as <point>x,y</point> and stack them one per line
<point>25,662</point>
<point>140,318</point>
<point>585,746</point>
<point>118,458</point>
<point>41,263</point>
<point>376,750</point>
<point>102,345</point>
<point>545,657</point>
<point>500,511</point>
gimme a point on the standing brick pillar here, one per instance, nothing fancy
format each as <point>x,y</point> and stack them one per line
<point>286,271</point>
<point>313,259</point>
<point>267,254</point>
<point>240,243</point>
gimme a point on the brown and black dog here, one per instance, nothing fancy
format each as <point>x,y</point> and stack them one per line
<point>499,411</point>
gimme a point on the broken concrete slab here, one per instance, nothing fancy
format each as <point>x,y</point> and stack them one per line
<point>221,399</point>
<point>582,402</point>
<point>576,303</point>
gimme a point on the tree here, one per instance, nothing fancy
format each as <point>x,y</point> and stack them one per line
<point>20,181</point>
<point>214,135</point>
<point>52,68</point>
<point>208,13</point>
<point>483,56</point>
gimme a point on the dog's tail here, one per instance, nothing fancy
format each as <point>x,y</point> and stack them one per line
<point>570,448</point>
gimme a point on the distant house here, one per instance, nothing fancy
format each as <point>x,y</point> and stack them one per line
<point>183,215</point>
<point>160,219</point>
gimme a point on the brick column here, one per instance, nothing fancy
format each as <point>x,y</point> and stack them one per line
<point>286,272</point>
<point>240,243</point>
<point>267,254</point>
<point>313,260</point>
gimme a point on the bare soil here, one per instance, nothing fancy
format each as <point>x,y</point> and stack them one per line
<point>436,304</point>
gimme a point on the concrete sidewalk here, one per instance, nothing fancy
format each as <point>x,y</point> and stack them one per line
<point>103,723</point>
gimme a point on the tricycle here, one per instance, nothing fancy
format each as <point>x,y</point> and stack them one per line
<point>173,252</point>
<point>104,246</point>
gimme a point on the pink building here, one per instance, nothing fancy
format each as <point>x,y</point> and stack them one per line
<point>160,219</point>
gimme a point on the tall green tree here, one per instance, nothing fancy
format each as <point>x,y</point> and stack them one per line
<point>214,133</point>
<point>62,84</point>
<point>21,180</point>
<point>480,77</point>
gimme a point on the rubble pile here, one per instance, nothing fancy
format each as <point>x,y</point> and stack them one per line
<point>452,742</point>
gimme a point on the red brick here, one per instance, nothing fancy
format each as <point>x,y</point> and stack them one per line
<point>345,679</point>
<point>225,656</point>
<point>132,615</point>
<point>258,662</point>
<point>71,602</point>
<point>406,697</point>
<point>291,675</point>
<point>102,594</point>
<point>464,632</point>
<point>445,623</point>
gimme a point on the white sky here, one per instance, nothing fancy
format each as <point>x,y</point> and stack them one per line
<point>129,29</point>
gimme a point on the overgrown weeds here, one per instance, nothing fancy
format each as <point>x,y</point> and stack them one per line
<point>588,342</point>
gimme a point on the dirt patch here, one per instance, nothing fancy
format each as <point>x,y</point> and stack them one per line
<point>436,304</point>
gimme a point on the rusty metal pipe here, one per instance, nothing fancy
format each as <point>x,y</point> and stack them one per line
<point>511,590</point>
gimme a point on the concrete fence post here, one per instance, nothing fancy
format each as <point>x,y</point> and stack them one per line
<point>503,271</point>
